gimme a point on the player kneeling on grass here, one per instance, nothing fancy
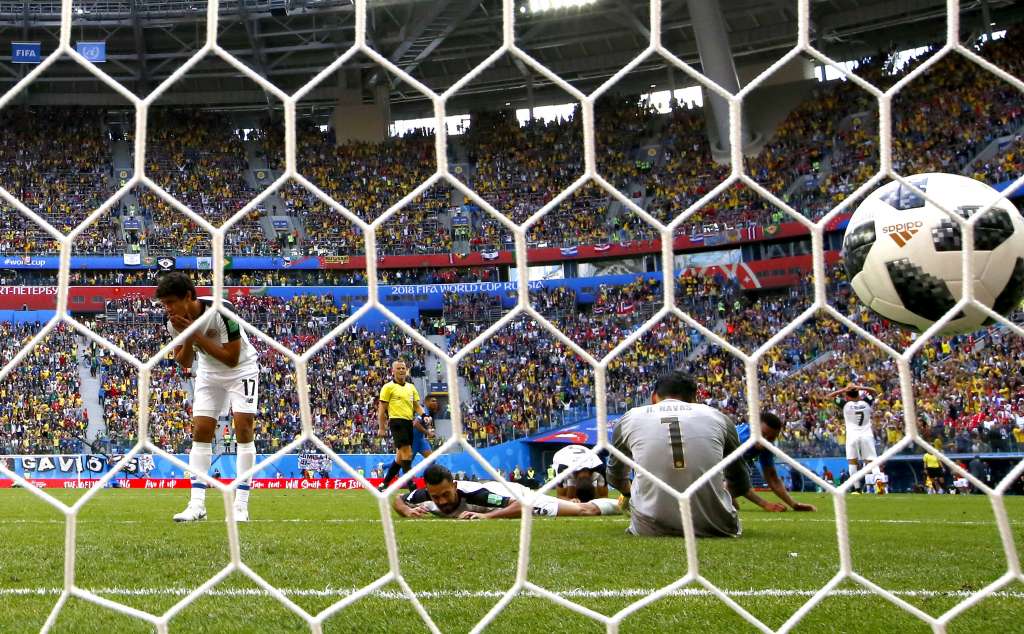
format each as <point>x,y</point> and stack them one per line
<point>586,479</point>
<point>677,441</point>
<point>445,496</point>
<point>771,425</point>
<point>226,373</point>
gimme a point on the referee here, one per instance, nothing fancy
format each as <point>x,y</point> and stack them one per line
<point>399,402</point>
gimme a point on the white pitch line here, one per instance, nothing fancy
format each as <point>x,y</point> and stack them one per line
<point>801,519</point>
<point>576,593</point>
<point>264,521</point>
<point>750,518</point>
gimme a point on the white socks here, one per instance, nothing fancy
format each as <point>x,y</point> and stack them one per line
<point>607,506</point>
<point>199,459</point>
<point>245,460</point>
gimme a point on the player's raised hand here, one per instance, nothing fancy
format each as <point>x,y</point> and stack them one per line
<point>180,322</point>
<point>806,508</point>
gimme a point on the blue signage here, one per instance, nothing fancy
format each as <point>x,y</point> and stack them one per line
<point>95,52</point>
<point>70,466</point>
<point>26,52</point>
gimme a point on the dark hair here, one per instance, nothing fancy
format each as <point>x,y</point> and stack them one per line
<point>773,421</point>
<point>175,284</point>
<point>585,491</point>
<point>676,384</point>
<point>853,393</point>
<point>436,474</point>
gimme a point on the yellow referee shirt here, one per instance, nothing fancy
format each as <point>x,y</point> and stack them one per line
<point>931,462</point>
<point>401,399</point>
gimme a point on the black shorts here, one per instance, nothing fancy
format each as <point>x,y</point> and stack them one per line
<point>401,431</point>
<point>934,472</point>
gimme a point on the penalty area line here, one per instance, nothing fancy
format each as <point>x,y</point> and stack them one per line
<point>576,593</point>
<point>752,517</point>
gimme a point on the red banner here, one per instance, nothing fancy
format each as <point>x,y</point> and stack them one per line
<point>85,299</point>
<point>317,484</point>
<point>757,274</point>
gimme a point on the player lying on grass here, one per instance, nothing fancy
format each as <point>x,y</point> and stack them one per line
<point>771,425</point>
<point>587,478</point>
<point>445,496</point>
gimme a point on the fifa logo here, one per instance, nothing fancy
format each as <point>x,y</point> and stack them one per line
<point>902,233</point>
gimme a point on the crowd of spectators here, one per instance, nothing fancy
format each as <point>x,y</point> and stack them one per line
<point>819,153</point>
<point>969,393</point>
<point>62,186</point>
<point>137,328</point>
<point>941,122</point>
<point>367,179</point>
<point>343,405</point>
<point>294,320</point>
<point>523,379</point>
<point>41,407</point>
<point>200,159</point>
<point>237,277</point>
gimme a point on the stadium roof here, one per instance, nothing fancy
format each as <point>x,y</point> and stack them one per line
<point>438,41</point>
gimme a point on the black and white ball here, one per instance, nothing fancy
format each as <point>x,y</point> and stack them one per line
<point>903,254</point>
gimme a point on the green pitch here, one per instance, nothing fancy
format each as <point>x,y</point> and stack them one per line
<point>318,546</point>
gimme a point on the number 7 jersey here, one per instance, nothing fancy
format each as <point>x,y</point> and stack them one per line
<point>857,416</point>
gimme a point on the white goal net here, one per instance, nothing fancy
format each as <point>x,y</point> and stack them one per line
<point>522,585</point>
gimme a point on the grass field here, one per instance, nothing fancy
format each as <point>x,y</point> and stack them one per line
<point>319,546</point>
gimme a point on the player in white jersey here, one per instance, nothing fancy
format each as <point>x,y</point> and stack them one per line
<point>678,441</point>
<point>447,497</point>
<point>226,373</point>
<point>860,436</point>
<point>586,479</point>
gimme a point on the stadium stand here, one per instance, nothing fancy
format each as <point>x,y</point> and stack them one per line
<point>62,187</point>
<point>41,408</point>
<point>818,154</point>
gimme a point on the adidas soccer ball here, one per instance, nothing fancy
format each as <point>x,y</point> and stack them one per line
<point>903,254</point>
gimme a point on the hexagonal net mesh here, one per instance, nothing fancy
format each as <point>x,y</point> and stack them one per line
<point>522,584</point>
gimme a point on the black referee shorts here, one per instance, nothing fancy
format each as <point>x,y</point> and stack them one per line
<point>401,432</point>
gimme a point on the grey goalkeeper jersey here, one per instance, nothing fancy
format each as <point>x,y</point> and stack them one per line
<point>678,443</point>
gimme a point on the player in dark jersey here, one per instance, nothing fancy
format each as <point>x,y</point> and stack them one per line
<point>771,425</point>
<point>445,496</point>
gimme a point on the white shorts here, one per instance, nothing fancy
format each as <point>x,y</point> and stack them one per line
<point>861,448</point>
<point>213,395</point>
<point>543,505</point>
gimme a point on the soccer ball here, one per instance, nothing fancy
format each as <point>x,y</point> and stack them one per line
<point>904,260</point>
